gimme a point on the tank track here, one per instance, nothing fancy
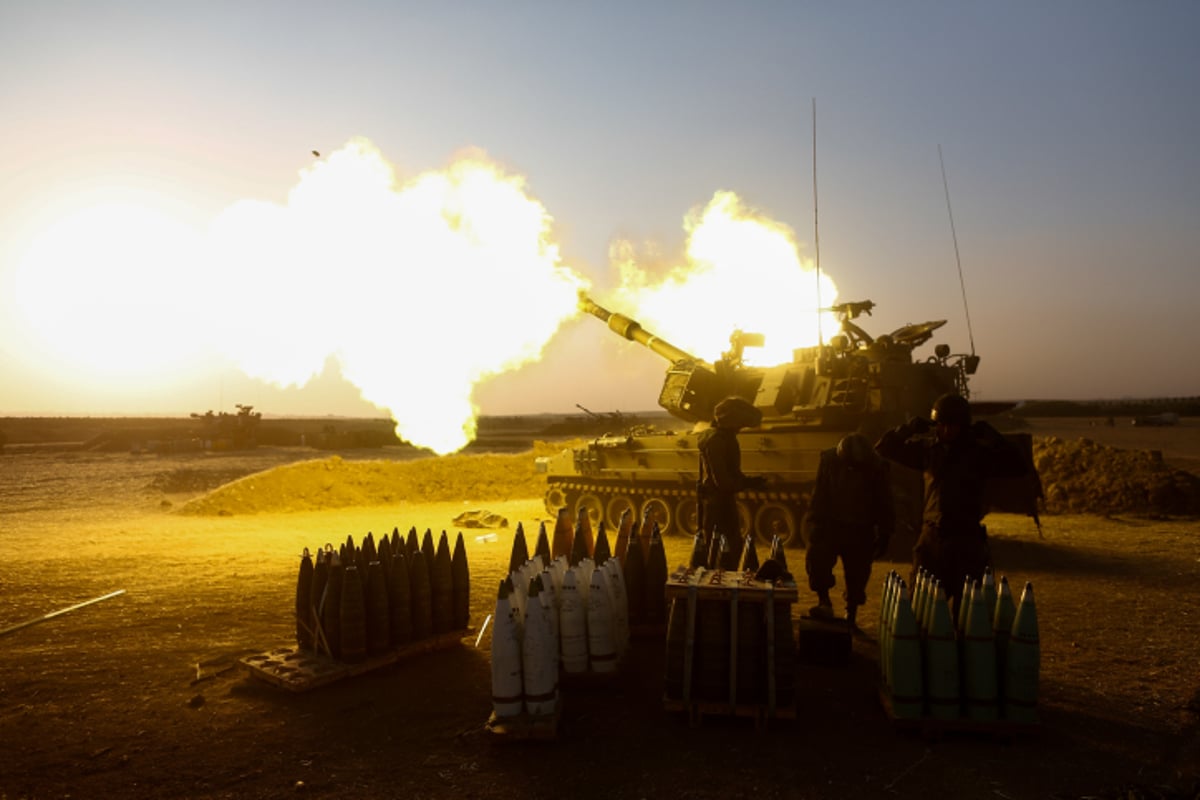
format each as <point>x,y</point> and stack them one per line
<point>767,513</point>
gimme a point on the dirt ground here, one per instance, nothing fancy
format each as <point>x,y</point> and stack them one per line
<point>140,696</point>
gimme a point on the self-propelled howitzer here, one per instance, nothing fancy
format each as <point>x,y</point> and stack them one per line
<point>692,387</point>
<point>856,382</point>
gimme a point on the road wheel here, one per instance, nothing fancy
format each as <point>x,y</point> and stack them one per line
<point>659,511</point>
<point>595,509</point>
<point>775,519</point>
<point>616,507</point>
<point>556,498</point>
<point>687,516</point>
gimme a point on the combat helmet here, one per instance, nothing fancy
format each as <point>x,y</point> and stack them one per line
<point>736,412</point>
<point>952,409</point>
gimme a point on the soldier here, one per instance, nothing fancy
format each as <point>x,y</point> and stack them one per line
<point>957,461</point>
<point>851,518</point>
<point>721,476</point>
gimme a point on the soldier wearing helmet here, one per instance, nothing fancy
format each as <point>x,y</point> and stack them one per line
<point>951,414</point>
<point>721,476</point>
<point>957,461</point>
<point>850,518</point>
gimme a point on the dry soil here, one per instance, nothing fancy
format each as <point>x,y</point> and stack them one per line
<point>141,696</point>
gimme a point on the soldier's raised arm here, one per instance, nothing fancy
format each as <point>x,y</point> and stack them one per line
<point>899,443</point>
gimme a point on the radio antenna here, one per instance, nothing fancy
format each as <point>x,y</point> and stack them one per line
<point>816,228</point>
<point>962,284</point>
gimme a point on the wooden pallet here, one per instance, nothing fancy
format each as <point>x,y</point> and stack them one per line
<point>697,710</point>
<point>932,728</point>
<point>525,727</point>
<point>303,670</point>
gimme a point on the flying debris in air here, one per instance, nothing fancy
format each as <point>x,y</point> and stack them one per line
<point>316,153</point>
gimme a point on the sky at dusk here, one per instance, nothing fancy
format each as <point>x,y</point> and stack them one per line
<point>1068,132</point>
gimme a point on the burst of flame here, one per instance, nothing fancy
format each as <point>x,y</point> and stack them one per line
<point>420,291</point>
<point>743,270</point>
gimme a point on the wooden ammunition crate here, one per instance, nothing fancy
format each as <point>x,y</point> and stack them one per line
<point>736,589</point>
<point>823,642</point>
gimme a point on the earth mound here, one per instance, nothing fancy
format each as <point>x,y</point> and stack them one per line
<point>333,482</point>
<point>1081,477</point>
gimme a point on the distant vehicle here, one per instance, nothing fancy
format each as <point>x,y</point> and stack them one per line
<point>1157,420</point>
<point>226,431</point>
<point>591,422</point>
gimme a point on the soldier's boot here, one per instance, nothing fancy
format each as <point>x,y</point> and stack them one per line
<point>852,617</point>
<point>824,607</point>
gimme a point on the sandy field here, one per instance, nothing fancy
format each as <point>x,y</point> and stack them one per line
<point>141,696</point>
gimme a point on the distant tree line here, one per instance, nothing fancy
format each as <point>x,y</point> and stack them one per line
<point>1183,406</point>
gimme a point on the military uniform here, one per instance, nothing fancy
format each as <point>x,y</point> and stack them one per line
<point>721,476</point>
<point>850,518</point>
<point>953,542</point>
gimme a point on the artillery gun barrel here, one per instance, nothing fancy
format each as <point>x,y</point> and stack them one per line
<point>627,328</point>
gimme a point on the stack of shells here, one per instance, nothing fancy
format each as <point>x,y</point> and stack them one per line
<point>764,655</point>
<point>570,607</point>
<point>357,602</point>
<point>980,665</point>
